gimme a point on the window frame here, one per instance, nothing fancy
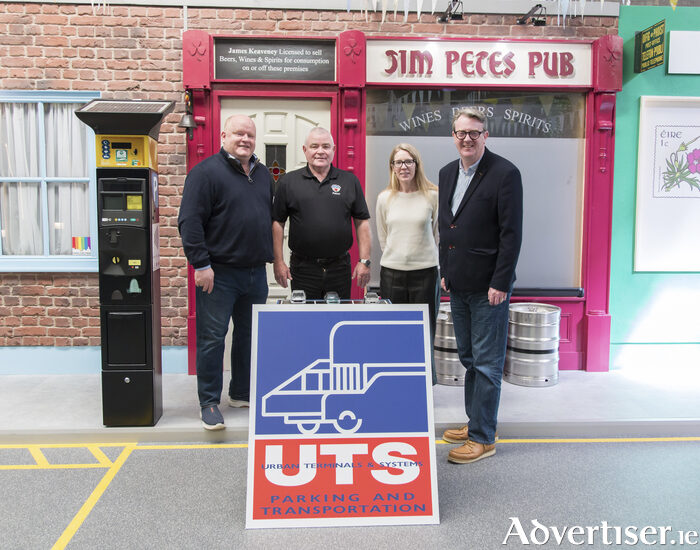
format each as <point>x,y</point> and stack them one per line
<point>50,263</point>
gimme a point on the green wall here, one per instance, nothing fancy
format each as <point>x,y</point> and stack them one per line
<point>647,308</point>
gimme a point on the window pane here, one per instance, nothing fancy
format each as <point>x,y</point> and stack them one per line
<point>19,140</point>
<point>276,161</point>
<point>20,219</point>
<point>69,221</point>
<point>542,133</point>
<point>66,142</point>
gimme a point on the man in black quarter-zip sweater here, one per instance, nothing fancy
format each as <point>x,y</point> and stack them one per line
<point>225,224</point>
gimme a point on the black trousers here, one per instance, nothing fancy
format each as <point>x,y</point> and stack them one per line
<point>318,276</point>
<point>419,286</point>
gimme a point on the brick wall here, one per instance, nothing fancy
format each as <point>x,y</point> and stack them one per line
<point>135,52</point>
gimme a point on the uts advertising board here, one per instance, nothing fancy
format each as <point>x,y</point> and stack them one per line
<point>341,423</point>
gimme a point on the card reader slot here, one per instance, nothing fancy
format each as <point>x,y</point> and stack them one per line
<point>123,185</point>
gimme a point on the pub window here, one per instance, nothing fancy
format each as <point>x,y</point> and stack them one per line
<point>47,172</point>
<point>542,133</point>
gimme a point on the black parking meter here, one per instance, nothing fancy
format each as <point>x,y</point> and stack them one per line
<point>126,134</point>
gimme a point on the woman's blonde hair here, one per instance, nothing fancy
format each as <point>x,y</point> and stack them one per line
<point>423,183</point>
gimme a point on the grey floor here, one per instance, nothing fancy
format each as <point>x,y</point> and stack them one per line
<point>195,498</point>
<point>191,495</point>
<point>643,401</point>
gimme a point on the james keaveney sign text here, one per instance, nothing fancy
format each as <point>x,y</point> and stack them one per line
<point>248,59</point>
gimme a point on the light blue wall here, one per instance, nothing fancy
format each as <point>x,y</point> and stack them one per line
<point>648,309</point>
<point>74,360</point>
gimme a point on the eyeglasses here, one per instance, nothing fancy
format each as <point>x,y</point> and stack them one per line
<point>407,163</point>
<point>473,134</point>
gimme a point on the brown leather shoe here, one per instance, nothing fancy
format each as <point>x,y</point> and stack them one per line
<point>459,435</point>
<point>471,451</point>
<point>456,435</point>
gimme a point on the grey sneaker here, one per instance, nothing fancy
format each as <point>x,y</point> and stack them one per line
<point>238,403</point>
<point>211,418</point>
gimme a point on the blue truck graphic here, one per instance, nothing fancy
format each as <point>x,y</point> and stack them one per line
<point>370,363</point>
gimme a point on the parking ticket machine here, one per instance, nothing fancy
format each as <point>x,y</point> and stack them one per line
<point>126,134</point>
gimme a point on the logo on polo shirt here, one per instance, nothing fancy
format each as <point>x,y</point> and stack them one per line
<point>335,188</point>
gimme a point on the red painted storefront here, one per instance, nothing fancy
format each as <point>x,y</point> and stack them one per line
<point>585,319</point>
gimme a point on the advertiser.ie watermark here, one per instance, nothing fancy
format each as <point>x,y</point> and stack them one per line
<point>536,533</point>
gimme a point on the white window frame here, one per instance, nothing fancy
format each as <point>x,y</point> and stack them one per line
<point>47,263</point>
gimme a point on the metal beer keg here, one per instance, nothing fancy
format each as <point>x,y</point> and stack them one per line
<point>448,370</point>
<point>532,356</point>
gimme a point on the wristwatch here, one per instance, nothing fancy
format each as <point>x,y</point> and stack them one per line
<point>366,262</point>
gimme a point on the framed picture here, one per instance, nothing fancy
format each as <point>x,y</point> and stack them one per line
<point>668,185</point>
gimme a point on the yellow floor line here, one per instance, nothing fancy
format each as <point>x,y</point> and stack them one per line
<point>105,462</point>
<point>193,446</point>
<point>603,440</point>
<point>38,455</point>
<point>99,455</point>
<point>592,440</point>
<point>443,442</point>
<point>89,504</point>
<point>66,445</point>
<point>52,466</point>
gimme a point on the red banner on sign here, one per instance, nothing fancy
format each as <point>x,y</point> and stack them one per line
<point>342,477</point>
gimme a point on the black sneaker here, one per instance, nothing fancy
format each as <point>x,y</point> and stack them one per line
<point>211,418</point>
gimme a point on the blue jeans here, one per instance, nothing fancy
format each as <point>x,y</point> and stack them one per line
<point>236,289</point>
<point>481,331</point>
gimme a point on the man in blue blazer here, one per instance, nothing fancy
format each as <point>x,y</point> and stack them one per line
<point>480,219</point>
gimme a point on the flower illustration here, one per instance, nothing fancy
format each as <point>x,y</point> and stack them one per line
<point>682,170</point>
<point>694,161</point>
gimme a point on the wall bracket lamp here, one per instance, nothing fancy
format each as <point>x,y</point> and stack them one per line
<point>455,10</point>
<point>537,16</point>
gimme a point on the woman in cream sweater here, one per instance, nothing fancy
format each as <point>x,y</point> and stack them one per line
<point>406,217</point>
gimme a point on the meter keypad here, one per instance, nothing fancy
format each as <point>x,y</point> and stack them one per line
<point>105,149</point>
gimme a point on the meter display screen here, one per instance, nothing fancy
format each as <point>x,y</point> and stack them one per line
<point>121,145</point>
<point>113,202</point>
<point>134,202</point>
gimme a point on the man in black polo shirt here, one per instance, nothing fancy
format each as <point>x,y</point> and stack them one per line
<point>320,201</point>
